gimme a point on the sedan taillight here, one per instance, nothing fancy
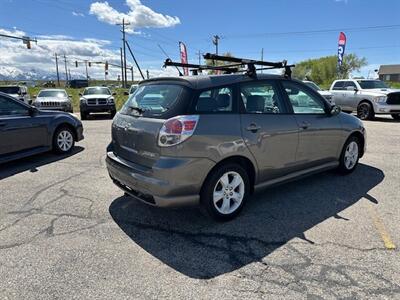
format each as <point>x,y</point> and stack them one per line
<point>176,130</point>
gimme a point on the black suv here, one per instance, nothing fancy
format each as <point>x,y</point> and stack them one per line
<point>97,99</point>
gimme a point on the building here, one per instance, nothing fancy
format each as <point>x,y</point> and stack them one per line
<point>389,73</point>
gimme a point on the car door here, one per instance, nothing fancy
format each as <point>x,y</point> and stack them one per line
<point>319,132</point>
<point>19,130</point>
<point>337,92</point>
<point>269,131</point>
<point>350,96</point>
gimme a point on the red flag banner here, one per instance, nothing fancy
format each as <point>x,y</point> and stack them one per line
<point>341,47</point>
<point>184,58</point>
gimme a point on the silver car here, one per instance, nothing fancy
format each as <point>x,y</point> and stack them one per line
<point>367,97</point>
<point>53,99</point>
<point>214,140</point>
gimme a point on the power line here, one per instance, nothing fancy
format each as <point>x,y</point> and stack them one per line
<point>348,29</point>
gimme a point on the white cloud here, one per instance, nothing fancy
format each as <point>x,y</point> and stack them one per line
<point>15,58</point>
<point>139,15</point>
<point>77,14</point>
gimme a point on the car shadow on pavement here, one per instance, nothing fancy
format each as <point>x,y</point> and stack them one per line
<point>32,163</point>
<point>191,243</point>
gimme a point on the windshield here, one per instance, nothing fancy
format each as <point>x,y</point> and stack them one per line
<point>372,84</point>
<point>55,94</point>
<point>9,89</point>
<point>97,91</point>
<point>313,85</point>
<point>152,99</point>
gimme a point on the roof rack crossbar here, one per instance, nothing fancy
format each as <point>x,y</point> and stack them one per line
<point>236,65</point>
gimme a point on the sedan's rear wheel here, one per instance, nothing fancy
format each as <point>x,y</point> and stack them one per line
<point>63,140</point>
<point>225,191</point>
<point>365,111</point>
<point>350,155</point>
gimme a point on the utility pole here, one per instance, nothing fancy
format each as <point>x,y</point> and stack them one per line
<point>215,41</point>
<point>69,73</point>
<point>87,74</point>
<point>122,68</point>
<point>66,70</point>
<point>262,56</point>
<point>124,42</point>
<point>199,54</point>
<point>132,74</point>
<point>58,74</point>
<point>147,74</point>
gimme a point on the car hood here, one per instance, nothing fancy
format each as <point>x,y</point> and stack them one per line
<point>96,96</point>
<point>379,92</point>
<point>52,99</point>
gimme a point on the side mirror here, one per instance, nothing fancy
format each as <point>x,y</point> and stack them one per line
<point>335,110</point>
<point>126,93</point>
<point>114,94</point>
<point>80,94</point>
<point>34,96</point>
<point>32,111</point>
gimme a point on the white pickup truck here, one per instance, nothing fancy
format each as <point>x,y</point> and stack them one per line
<point>367,97</point>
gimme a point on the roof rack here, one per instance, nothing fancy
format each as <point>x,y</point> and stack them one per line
<point>236,65</point>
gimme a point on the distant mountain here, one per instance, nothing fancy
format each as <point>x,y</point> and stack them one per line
<point>13,73</point>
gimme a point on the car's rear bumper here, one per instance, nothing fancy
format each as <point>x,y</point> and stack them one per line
<point>383,108</point>
<point>171,182</point>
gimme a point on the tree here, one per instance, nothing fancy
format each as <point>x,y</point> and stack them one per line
<point>323,70</point>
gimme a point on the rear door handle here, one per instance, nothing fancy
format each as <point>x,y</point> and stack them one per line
<point>253,127</point>
<point>305,124</point>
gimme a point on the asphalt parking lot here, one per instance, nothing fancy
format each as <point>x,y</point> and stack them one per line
<point>67,232</point>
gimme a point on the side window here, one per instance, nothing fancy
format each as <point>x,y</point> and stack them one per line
<point>261,98</point>
<point>10,107</point>
<point>349,83</point>
<point>302,100</point>
<point>338,85</point>
<point>215,101</point>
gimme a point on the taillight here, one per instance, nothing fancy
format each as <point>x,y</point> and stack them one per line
<point>176,130</point>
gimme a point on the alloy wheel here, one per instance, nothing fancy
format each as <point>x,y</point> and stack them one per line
<point>228,193</point>
<point>65,140</point>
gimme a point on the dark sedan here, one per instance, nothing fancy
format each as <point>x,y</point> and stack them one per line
<point>26,130</point>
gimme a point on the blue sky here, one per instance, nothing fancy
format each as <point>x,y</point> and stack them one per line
<point>244,26</point>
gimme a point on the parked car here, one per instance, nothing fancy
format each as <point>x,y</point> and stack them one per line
<point>132,89</point>
<point>78,83</point>
<point>97,99</point>
<point>26,130</point>
<point>326,94</point>
<point>366,97</point>
<point>17,91</point>
<point>53,99</point>
<point>213,140</point>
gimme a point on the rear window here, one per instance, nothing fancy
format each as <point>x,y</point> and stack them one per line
<point>152,100</point>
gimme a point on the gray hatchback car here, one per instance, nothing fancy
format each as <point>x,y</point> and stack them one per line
<point>213,140</point>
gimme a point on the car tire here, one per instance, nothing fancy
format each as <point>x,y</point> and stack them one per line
<point>83,115</point>
<point>349,156</point>
<point>63,140</point>
<point>396,116</point>
<point>365,111</point>
<point>225,192</point>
